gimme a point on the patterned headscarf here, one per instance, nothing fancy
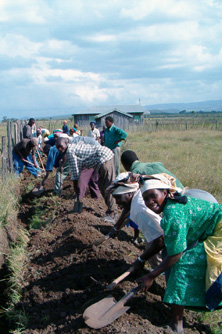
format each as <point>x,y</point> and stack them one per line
<point>55,132</point>
<point>124,183</point>
<point>72,130</point>
<point>159,181</point>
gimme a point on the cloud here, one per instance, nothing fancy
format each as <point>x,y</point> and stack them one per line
<point>79,53</point>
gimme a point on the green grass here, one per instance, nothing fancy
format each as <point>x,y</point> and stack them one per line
<point>15,263</point>
<point>213,319</point>
<point>193,156</point>
<point>43,207</point>
<point>15,258</point>
<point>8,199</point>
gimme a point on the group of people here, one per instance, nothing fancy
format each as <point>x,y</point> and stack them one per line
<point>91,164</point>
<point>182,227</point>
<point>183,232</point>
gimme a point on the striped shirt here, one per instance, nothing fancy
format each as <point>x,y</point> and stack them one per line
<point>88,153</point>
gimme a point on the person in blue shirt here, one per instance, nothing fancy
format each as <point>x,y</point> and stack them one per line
<point>113,138</point>
<point>65,127</point>
<point>54,159</point>
<point>51,140</point>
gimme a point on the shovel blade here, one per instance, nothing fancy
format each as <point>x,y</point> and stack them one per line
<point>77,207</point>
<point>104,312</point>
<point>38,191</point>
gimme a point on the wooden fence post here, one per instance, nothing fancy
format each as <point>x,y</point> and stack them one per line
<point>15,134</point>
<point>21,129</point>
<point>9,135</point>
<point>4,166</point>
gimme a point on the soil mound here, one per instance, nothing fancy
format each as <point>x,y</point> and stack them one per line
<point>60,280</point>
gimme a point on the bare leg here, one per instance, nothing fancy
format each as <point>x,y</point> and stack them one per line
<point>177,318</point>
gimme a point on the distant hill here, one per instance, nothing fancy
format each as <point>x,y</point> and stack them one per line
<point>214,105</point>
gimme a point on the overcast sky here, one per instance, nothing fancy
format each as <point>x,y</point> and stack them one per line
<point>59,56</point>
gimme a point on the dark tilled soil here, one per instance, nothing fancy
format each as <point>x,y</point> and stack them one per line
<point>58,277</point>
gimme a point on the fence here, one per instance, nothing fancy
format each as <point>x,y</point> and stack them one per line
<point>177,124</point>
<point>13,133</point>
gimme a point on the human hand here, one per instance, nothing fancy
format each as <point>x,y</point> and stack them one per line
<point>146,282</point>
<point>138,265</point>
<point>113,233</point>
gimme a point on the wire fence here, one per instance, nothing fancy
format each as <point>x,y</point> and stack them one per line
<point>12,132</point>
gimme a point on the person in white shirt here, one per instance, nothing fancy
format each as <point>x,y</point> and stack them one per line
<point>125,189</point>
<point>93,132</point>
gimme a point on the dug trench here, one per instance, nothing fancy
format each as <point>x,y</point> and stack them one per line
<point>60,280</point>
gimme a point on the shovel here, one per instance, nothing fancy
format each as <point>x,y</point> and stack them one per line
<point>38,191</point>
<point>107,310</point>
<point>61,182</point>
<point>30,163</point>
<point>77,205</point>
<point>95,243</point>
<point>119,279</point>
<point>101,239</point>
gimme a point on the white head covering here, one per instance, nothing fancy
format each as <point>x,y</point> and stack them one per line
<point>123,185</point>
<point>160,181</point>
<point>62,135</point>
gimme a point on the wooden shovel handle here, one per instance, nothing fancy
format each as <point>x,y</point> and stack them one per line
<point>40,160</point>
<point>31,163</point>
<point>124,275</point>
<point>119,279</point>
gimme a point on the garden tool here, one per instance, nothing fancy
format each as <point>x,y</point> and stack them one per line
<point>61,183</point>
<point>119,279</point>
<point>95,243</point>
<point>107,310</point>
<point>77,205</point>
<point>30,163</point>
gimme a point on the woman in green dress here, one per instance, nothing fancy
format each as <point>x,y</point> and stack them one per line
<point>191,227</point>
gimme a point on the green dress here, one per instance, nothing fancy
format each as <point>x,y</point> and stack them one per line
<point>183,225</point>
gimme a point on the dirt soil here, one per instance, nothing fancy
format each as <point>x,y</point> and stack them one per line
<point>58,277</point>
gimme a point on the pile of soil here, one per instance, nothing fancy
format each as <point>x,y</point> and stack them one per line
<point>60,280</point>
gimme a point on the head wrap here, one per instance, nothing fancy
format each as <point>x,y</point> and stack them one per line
<point>34,141</point>
<point>124,183</point>
<point>62,135</point>
<point>159,181</point>
<point>55,132</point>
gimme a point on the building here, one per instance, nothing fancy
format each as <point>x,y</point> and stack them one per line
<point>123,115</point>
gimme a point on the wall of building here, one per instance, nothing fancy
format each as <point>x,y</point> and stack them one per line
<point>120,120</point>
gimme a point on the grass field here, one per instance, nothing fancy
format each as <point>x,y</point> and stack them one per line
<point>194,156</point>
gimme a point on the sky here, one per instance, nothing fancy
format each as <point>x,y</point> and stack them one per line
<point>63,56</point>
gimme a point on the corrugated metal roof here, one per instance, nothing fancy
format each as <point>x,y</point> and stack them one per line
<point>108,112</point>
<point>126,109</point>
